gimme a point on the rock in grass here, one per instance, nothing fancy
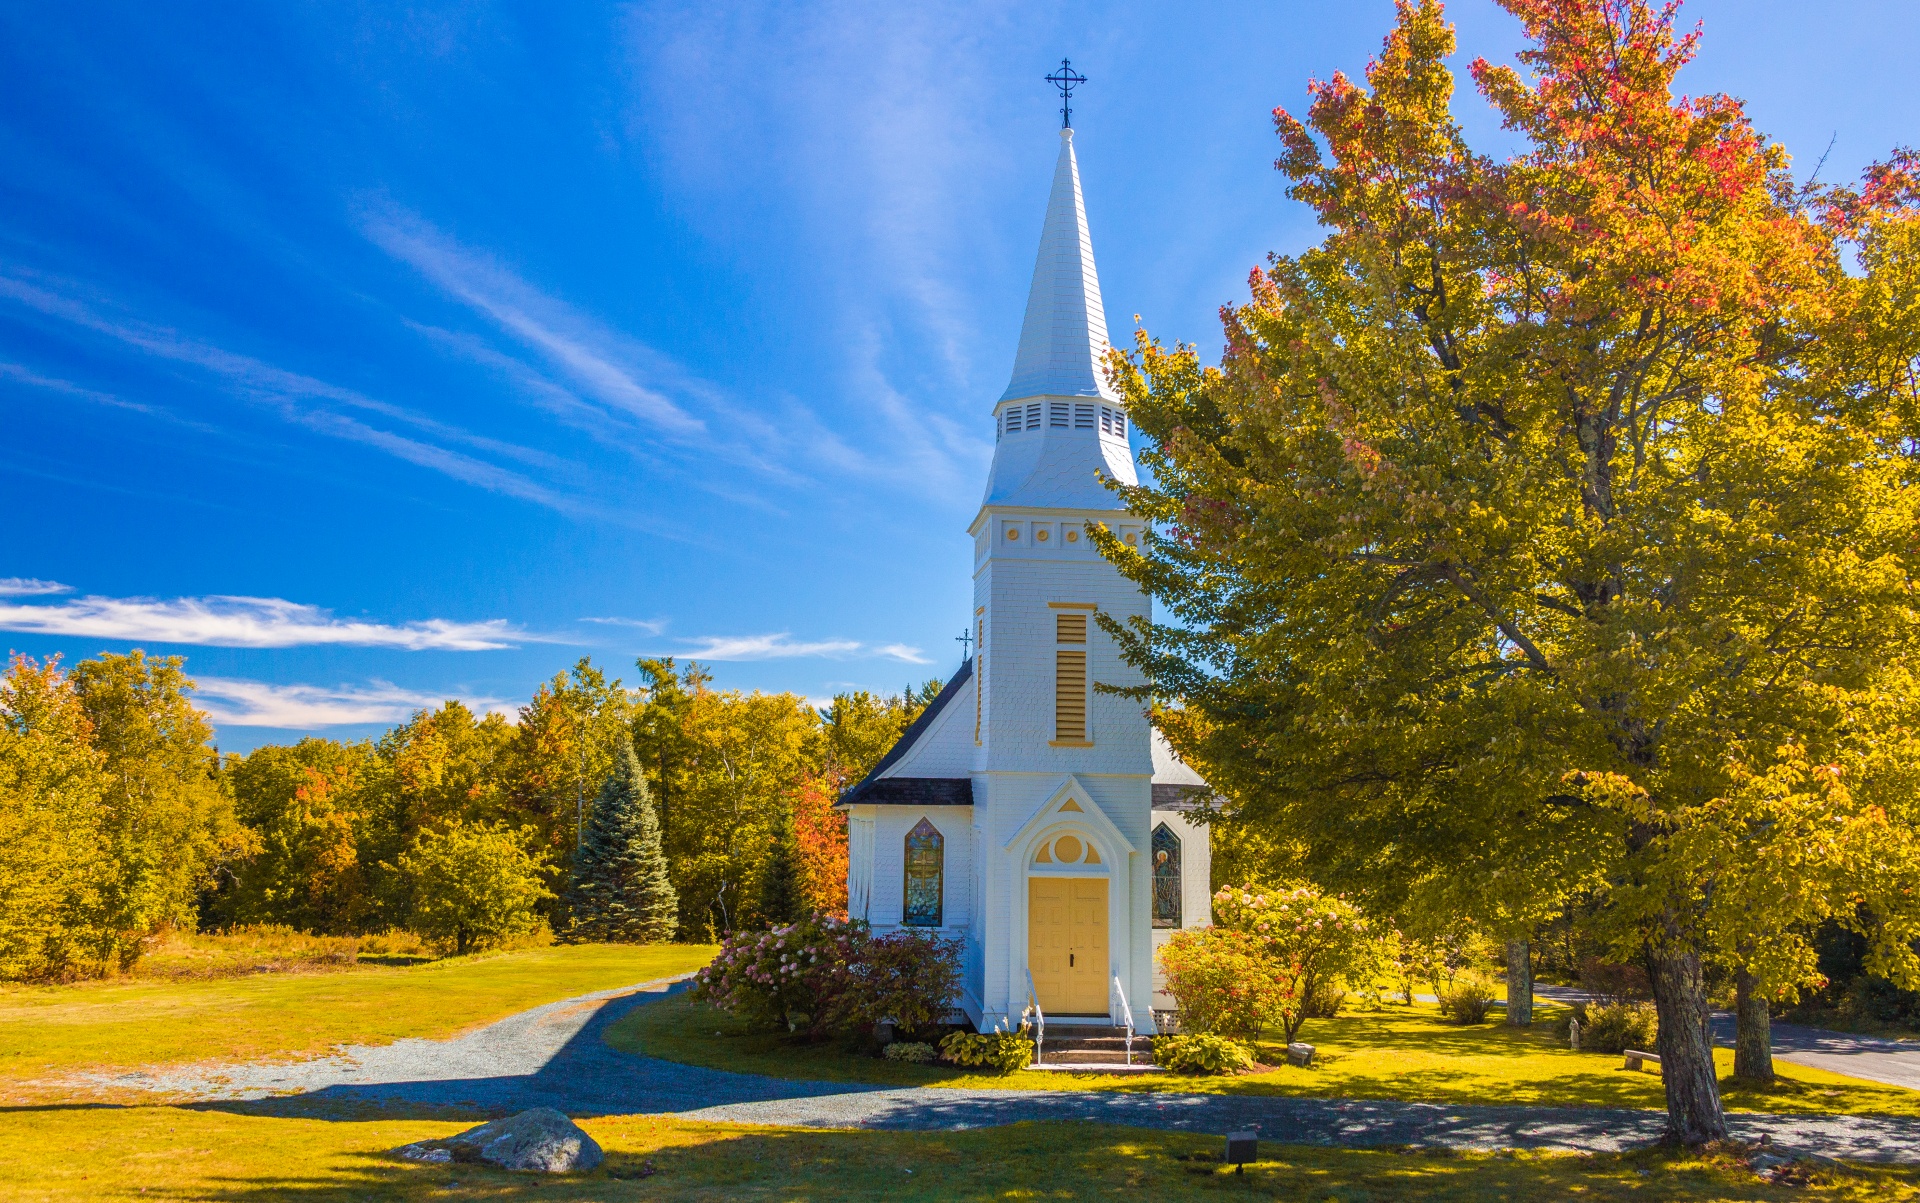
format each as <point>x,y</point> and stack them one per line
<point>1300,1054</point>
<point>541,1139</point>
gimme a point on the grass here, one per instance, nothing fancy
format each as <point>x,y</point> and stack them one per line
<point>49,1032</point>
<point>273,949</point>
<point>147,1153</point>
<point>1399,1053</point>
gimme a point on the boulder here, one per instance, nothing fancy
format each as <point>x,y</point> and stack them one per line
<point>541,1139</point>
<point>1300,1054</point>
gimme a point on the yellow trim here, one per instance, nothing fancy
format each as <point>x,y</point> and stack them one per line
<point>1071,805</point>
<point>1069,743</point>
<point>1072,606</point>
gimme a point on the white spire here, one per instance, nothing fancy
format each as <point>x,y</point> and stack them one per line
<point>1064,338</point>
<point>1059,426</point>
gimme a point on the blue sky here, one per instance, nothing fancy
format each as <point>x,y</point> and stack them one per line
<point>369,355</point>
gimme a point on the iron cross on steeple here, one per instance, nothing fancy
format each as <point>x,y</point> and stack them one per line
<point>965,640</point>
<point>1066,79</point>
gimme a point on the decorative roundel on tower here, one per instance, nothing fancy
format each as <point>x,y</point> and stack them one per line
<point>1073,536</point>
<point>1040,536</point>
<point>1013,532</point>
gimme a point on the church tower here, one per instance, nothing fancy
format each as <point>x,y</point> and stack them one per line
<point>1045,735</point>
<point>1038,821</point>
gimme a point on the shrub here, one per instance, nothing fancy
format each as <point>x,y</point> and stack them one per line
<point>1324,1002</point>
<point>474,885</point>
<point>1223,981</point>
<point>913,1052</point>
<point>1000,1052</point>
<point>1200,1053</point>
<point>795,976</point>
<point>1616,1027</point>
<point>1306,937</point>
<point>909,977</point>
<point>1467,999</point>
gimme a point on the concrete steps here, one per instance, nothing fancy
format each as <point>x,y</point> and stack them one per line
<point>1094,1048</point>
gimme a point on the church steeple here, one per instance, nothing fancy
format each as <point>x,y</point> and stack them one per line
<point>1059,427</point>
<point>1064,335</point>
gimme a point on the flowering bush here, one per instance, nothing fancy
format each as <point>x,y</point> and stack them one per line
<point>1311,940</point>
<point>1000,1052</point>
<point>1200,1053</point>
<point>1223,981</point>
<point>909,977</point>
<point>795,976</point>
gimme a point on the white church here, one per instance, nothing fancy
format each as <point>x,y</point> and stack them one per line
<point>1038,820</point>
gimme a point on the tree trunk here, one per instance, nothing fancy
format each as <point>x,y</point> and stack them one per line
<point>1753,1035</point>
<point>1519,984</point>
<point>1685,1046</point>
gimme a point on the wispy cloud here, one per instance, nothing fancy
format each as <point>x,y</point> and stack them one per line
<point>307,401</point>
<point>249,622</point>
<point>233,702</point>
<point>652,626</point>
<point>30,586</point>
<point>783,646</point>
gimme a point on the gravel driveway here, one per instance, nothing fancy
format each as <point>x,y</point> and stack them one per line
<point>554,1056</point>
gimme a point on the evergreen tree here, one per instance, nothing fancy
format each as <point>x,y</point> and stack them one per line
<point>620,887</point>
<point>783,881</point>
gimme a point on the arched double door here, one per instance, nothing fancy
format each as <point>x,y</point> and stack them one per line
<point>1067,950</point>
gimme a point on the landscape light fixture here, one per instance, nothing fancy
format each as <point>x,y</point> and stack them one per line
<point>1242,1147</point>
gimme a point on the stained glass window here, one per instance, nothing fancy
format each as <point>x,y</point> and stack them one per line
<point>926,866</point>
<point>1166,877</point>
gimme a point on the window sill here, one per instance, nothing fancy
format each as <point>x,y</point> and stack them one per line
<point>1069,743</point>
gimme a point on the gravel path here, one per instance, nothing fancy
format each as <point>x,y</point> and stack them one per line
<point>554,1056</point>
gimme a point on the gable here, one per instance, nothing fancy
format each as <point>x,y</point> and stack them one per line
<point>933,757</point>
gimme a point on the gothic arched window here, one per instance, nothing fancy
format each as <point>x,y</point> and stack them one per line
<point>926,869</point>
<point>1166,877</point>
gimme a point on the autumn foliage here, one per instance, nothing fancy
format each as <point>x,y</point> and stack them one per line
<point>1547,529</point>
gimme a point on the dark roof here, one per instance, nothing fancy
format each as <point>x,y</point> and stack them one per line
<point>1181,797</point>
<point>950,794</point>
<point>912,791</point>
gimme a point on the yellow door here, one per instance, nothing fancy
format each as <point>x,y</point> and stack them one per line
<point>1067,943</point>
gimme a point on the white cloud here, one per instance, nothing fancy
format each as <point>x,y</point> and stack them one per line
<point>783,647</point>
<point>28,586</point>
<point>652,626</point>
<point>232,702</point>
<point>309,402</point>
<point>249,622</point>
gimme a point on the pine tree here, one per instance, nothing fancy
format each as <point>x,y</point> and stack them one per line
<point>782,883</point>
<point>620,888</point>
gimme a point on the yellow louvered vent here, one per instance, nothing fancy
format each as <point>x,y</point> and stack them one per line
<point>1070,691</point>
<point>1070,628</point>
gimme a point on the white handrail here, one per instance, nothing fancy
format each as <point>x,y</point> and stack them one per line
<point>1040,1016</point>
<point>1126,1012</point>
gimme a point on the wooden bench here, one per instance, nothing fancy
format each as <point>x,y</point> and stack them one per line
<point>1639,1060</point>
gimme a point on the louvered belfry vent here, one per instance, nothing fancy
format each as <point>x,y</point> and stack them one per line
<point>1070,677</point>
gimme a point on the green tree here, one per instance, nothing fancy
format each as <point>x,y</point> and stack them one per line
<point>168,825</point>
<point>439,766</point>
<point>1547,528</point>
<point>566,743</point>
<point>473,885</point>
<point>621,889</point>
<point>55,874</point>
<point>782,876</point>
<point>304,805</point>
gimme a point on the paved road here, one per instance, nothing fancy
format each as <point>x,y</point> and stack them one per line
<point>1894,1062</point>
<point>554,1056</point>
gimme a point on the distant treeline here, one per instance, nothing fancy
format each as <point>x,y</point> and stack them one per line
<point>118,819</point>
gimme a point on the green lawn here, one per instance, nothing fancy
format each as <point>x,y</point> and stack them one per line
<point>1398,1053</point>
<point>147,1153</point>
<point>53,1031</point>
